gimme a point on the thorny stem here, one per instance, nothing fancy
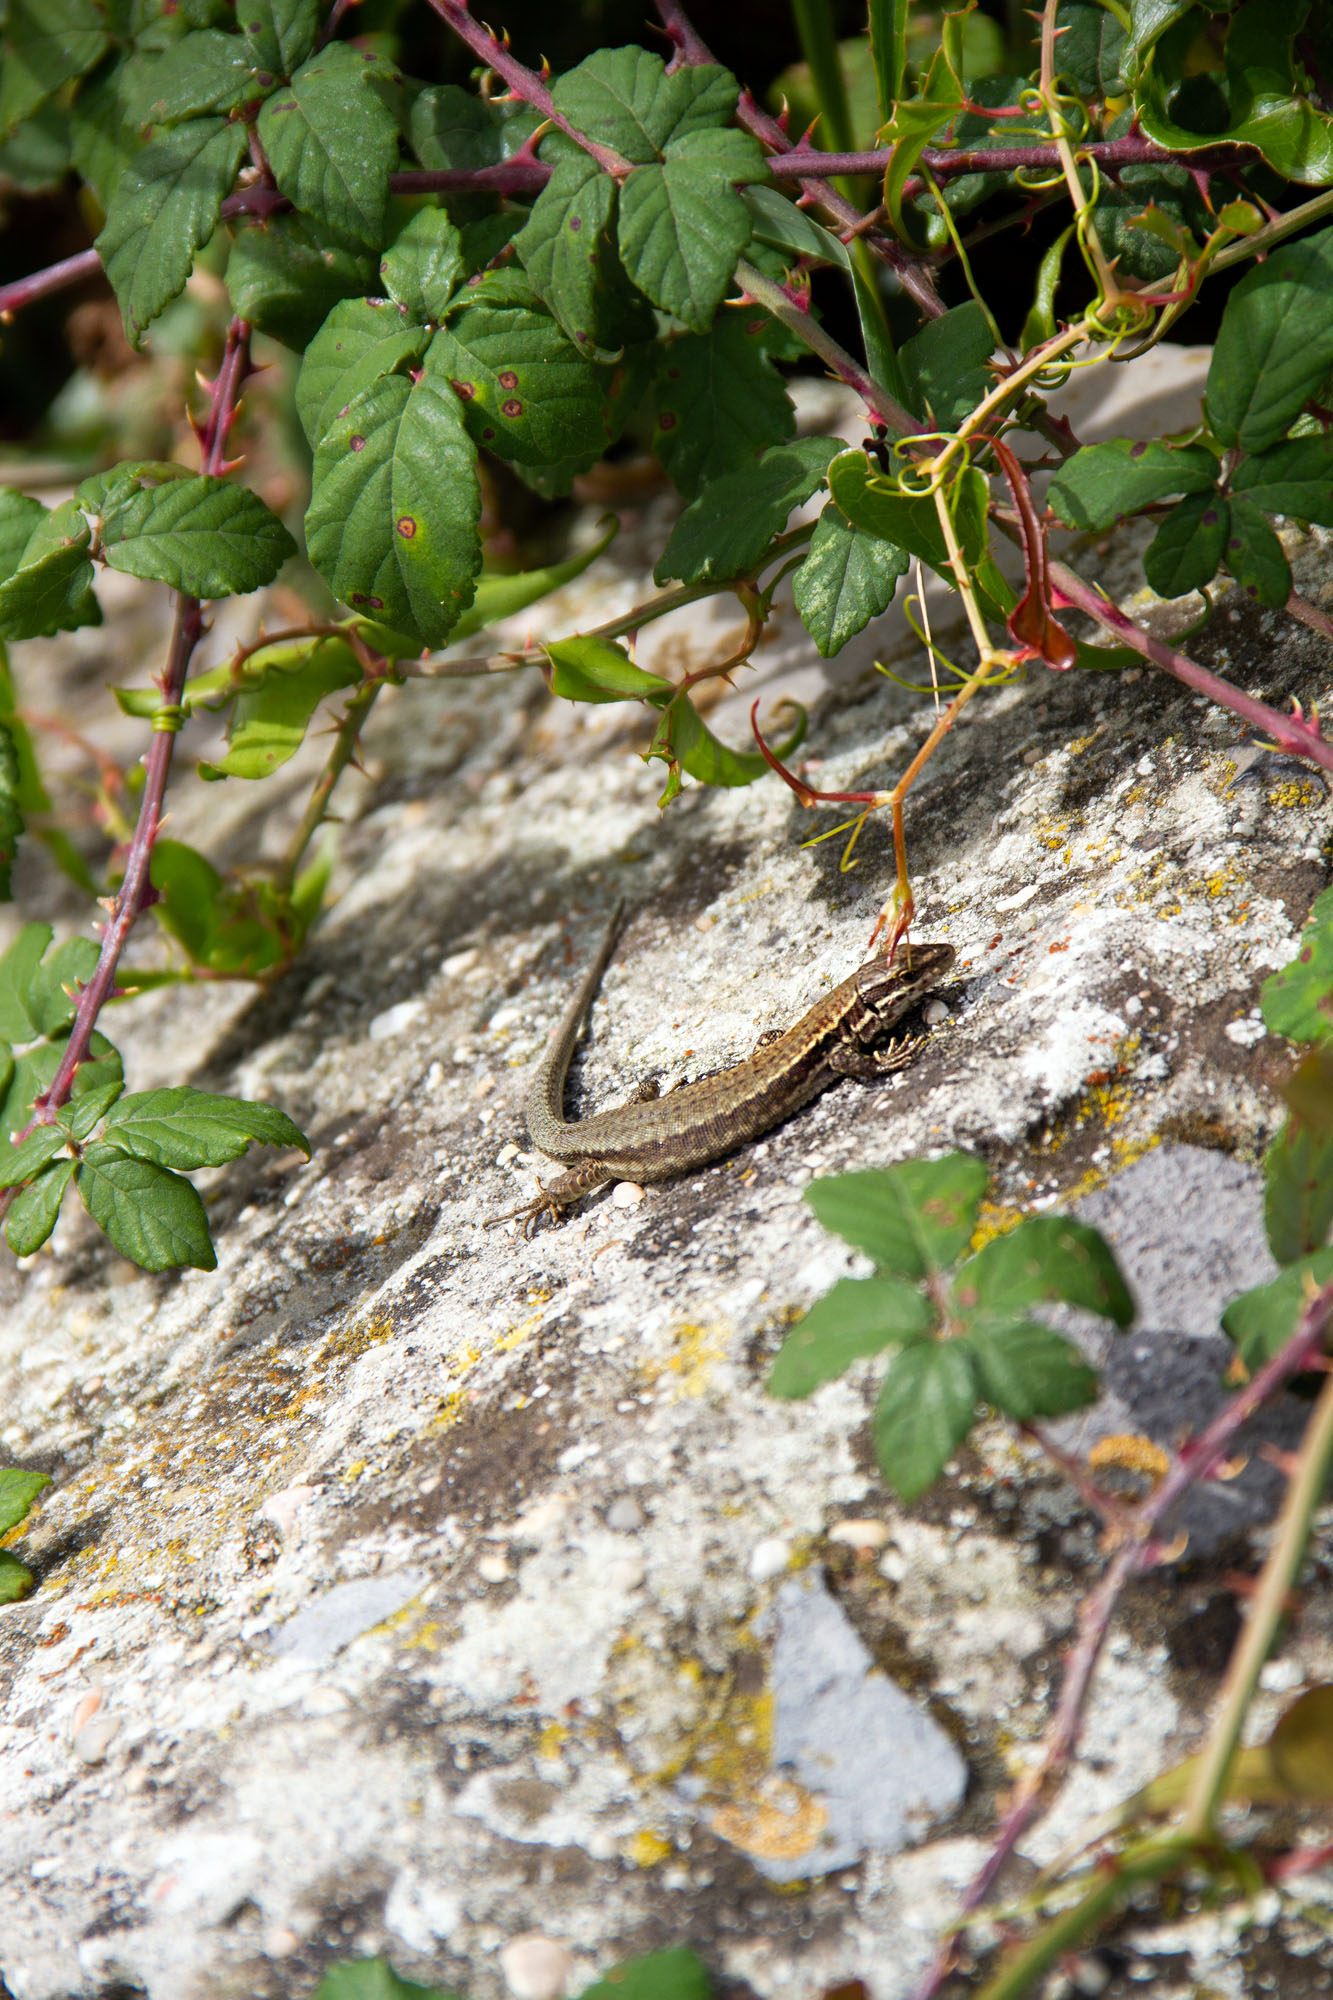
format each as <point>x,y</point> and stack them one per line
<point>346,737</point>
<point>1291,733</point>
<point>1194,1464</point>
<point>135,891</point>
<point>948,164</point>
<point>883,406</point>
<point>525,83</point>
<point>69,271</point>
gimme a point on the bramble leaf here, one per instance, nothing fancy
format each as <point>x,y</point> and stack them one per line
<point>360,341</point>
<point>727,529</point>
<point>913,1219</point>
<point>675,1974</point>
<point>269,721</point>
<point>564,245</point>
<point>1262,1321</point>
<point>165,205</point>
<point>18,1490</point>
<point>1255,556</point>
<point>153,1217</point>
<point>1101,482</point>
<point>1295,477</point>
<point>597,670</point>
<point>719,401</point>
<point>372,1979</point>
<point>859,1316</point>
<point>200,534</point>
<point>23,1163</point>
<point>205,71</point>
<point>1298,1191</point>
<point>392,523</point>
<point>876,503</point>
<point>1274,347</point>
<point>33,1213</point>
<point>1028,1370</point>
<point>50,590</point>
<point>33,1000</point>
<point>945,367</point>
<point>847,579</point>
<point>280,33</point>
<point>332,141</point>
<point>1046,1257</point>
<point>1185,552</point>
<point>182,1127</point>
<point>1296,1001</point>
<point>526,393</point>
<point>11,811</point>
<point>424,265</point>
<point>924,1411</point>
<point>286,275</point>
<point>46,43</point>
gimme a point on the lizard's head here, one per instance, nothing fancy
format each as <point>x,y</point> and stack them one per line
<point>891,990</point>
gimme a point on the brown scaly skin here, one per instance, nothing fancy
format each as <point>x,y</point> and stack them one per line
<point>653,1138</point>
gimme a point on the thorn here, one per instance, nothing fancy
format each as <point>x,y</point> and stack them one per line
<point>204,383</point>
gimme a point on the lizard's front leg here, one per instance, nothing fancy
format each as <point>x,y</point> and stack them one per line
<point>870,1063</point>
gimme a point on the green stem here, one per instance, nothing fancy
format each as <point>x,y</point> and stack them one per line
<point>1304,1495</point>
<point>359,705</point>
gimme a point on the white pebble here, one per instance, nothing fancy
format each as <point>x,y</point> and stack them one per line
<point>504,1017</point>
<point>394,1019</point>
<point>863,1536</point>
<point>493,1569</point>
<point>536,1967</point>
<point>624,1516</point>
<point>768,1558</point>
<point>626,1194</point>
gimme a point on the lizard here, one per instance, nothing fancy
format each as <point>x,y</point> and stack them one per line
<point>652,1138</point>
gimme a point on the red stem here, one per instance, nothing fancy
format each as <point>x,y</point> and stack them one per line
<point>1195,1463</point>
<point>69,271</point>
<point>1291,733</point>
<point>135,890</point>
<point>947,163</point>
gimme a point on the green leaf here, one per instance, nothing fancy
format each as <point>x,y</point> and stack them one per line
<point>269,721</point>
<point>913,1219</point>
<point>662,1975</point>
<point>11,811</point>
<point>1275,345</point>
<point>44,46</point>
<point>19,515</point>
<point>1039,323</point>
<point>166,205</point>
<point>847,579</point>
<point>1046,1257</point>
<point>683,741</point>
<point>38,155</point>
<point>200,534</point>
<point>924,1411</point>
<point>1027,1370</point>
<point>941,93</point>
<point>206,71</point>
<point>189,888</point>
<point>392,524</point>
<point>182,1127</point>
<point>104,127</point>
<point>451,131</point>
<point>1262,1321</point>
<point>33,1213</point>
<point>243,927</point>
<point>946,366</point>
<point>1185,552</point>
<point>50,590</point>
<point>18,1490</point>
<point>1102,482</point>
<point>728,528</point>
<point>877,504</point>
<point>1105,481</point>
<point>597,670</point>
<point>682,225</point>
<point>286,275</point>
<point>1291,478</point>
<point>1298,1191</point>
<point>360,341</point>
<point>153,1217</point>
<point>1295,1001</point>
<point>16,1579</point>
<point>859,1316</point>
<point>372,1979</point>
<point>1255,556</point>
<point>22,1163</point>
<point>424,265</point>
<point>33,1002</point>
<point>526,393</point>
<point>628,101</point>
<point>332,142</point>
<point>777,221</point>
<point>280,33</point>
<point>80,1114</point>
<point>34,1070</point>
<point>1089,49</point>
<point>564,244</point>
<point>1148,21</point>
<point>502,596</point>
<point>719,401</point>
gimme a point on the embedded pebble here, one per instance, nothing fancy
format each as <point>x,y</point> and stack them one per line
<point>863,1536</point>
<point>626,1194</point>
<point>768,1558</point>
<point>394,1019</point>
<point>625,1516</point>
<point>493,1569</point>
<point>536,1967</point>
<point>91,1743</point>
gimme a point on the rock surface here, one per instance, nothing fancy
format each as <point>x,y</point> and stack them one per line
<point>415,1587</point>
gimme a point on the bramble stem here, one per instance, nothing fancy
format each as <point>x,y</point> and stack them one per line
<point>883,407</point>
<point>135,889</point>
